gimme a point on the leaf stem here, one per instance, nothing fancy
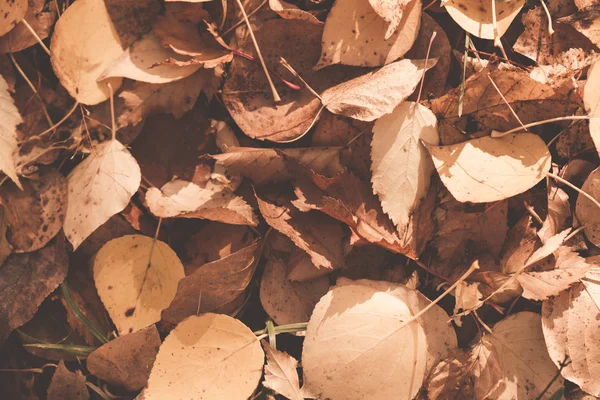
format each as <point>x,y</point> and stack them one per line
<point>290,328</point>
<point>64,288</point>
<point>35,35</point>
<point>496,134</point>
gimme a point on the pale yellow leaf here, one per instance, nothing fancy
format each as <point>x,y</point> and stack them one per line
<point>400,164</point>
<point>591,100</point>
<point>9,119</point>
<point>355,35</point>
<point>281,374</point>
<point>211,356</point>
<point>139,61</point>
<point>99,187</point>
<point>377,93</point>
<point>586,211</point>
<point>391,11</point>
<point>476,17</point>
<point>488,169</point>
<point>136,278</point>
<point>290,11</point>
<point>352,333</point>
<point>11,12</point>
<point>571,324</point>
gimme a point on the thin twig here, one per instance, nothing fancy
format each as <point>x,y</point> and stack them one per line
<point>39,40</point>
<point>497,134</point>
<point>506,102</point>
<point>52,128</point>
<point>112,112</point>
<point>550,29</point>
<point>289,84</point>
<point>297,75</point>
<point>569,184</point>
<point>241,21</point>
<point>433,35</point>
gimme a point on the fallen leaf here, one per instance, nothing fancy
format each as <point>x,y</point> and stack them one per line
<point>586,211</point>
<point>142,62</point>
<point>371,325</point>
<point>451,379</point>
<point>391,11</point>
<point>281,374</point>
<point>591,100</point>
<point>490,169</point>
<point>221,354</point>
<point>268,165</point>
<point>88,38</point>
<point>476,17</point>
<point>39,18</point>
<point>67,385</point>
<point>285,301</point>
<point>5,248</point>
<point>12,12</point>
<point>299,267</point>
<point>214,285</point>
<point>290,11</point>
<point>10,117</point>
<point>559,210</point>
<point>377,93</point>
<point>320,236</point>
<point>99,187</point>
<point>136,278</point>
<point>570,322</point>
<point>401,168</point>
<point>213,242</point>
<point>45,199</point>
<point>126,361</point>
<point>521,242</point>
<point>353,35</point>
<point>25,281</point>
<point>585,21</point>
<point>184,199</point>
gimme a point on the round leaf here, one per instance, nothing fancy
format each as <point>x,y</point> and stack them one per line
<point>475,16</point>
<point>586,211</point>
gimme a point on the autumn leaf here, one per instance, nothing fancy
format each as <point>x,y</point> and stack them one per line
<point>290,11</point>
<point>12,13</point>
<point>591,99</point>
<point>9,114</point>
<point>586,211</point>
<point>39,17</point>
<point>477,18</point>
<point>281,375</point>
<point>67,384</point>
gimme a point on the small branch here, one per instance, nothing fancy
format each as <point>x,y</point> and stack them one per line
<point>433,35</point>
<point>569,184</point>
<point>261,5</point>
<point>39,40</point>
<point>276,97</point>
<point>112,112</point>
<point>550,29</point>
<point>496,134</point>
<point>506,102</point>
<point>52,128</point>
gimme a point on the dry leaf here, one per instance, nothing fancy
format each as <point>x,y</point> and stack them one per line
<point>591,100</point>
<point>212,356</point>
<point>67,385</point>
<point>139,62</point>
<point>488,169</point>
<point>88,38</point>
<point>476,17</point>
<point>281,374</point>
<point>391,11</point>
<point>290,11</point>
<point>571,328</point>
<point>126,361</point>
<point>559,210</point>
<point>10,117</point>
<point>521,242</point>
<point>585,21</point>
<point>451,379</point>
<point>317,234</point>
<point>99,187</point>
<point>213,286</point>
<point>377,93</point>
<point>184,199</point>
<point>213,242</point>
<point>246,93</point>
<point>11,13</point>
<point>285,301</point>
<point>45,199</point>
<point>39,18</point>
<point>136,278</point>
<point>268,165</point>
<point>586,211</point>
<point>25,281</point>
<point>353,35</point>
<point>5,248</point>
<point>400,165</point>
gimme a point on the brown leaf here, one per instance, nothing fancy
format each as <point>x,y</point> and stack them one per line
<point>521,242</point>
<point>213,242</point>
<point>585,21</point>
<point>25,281</point>
<point>12,13</point>
<point>285,301</point>
<point>586,211</point>
<point>320,236</point>
<point>451,378</point>
<point>268,165</point>
<point>281,374</point>
<point>67,385</point>
<point>126,361</point>
<point>45,199</point>
<point>39,19</point>
<point>299,267</point>
<point>5,248</point>
<point>290,11</point>
<point>559,210</point>
<point>213,286</point>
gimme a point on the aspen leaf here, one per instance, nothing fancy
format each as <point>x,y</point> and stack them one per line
<point>139,62</point>
<point>211,356</point>
<point>281,374</point>
<point>10,118</point>
<point>377,93</point>
<point>354,35</point>
<point>487,169</point>
<point>400,165</point>
<point>475,16</point>
<point>391,11</point>
<point>586,211</point>
<point>571,325</point>
<point>99,187</point>
<point>11,12</point>
<point>591,100</point>
<point>349,339</point>
<point>136,278</point>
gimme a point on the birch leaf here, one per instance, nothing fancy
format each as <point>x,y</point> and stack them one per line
<point>475,16</point>
<point>99,187</point>
<point>9,119</point>
<point>377,93</point>
<point>136,278</point>
<point>487,169</point>
<point>400,165</point>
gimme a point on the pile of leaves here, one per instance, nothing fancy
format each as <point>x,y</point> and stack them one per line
<point>349,199</point>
